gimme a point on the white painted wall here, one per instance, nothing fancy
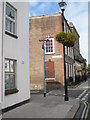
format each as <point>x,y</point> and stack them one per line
<point>18,49</point>
<point>0,53</point>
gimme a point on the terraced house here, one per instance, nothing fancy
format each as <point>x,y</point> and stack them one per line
<point>40,28</point>
<point>80,63</point>
<point>14,53</point>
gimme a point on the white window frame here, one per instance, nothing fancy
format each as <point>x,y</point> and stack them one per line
<point>70,52</point>
<point>66,71</point>
<point>66,50</point>
<point>11,73</point>
<point>53,47</point>
<point>69,70</point>
<point>12,20</point>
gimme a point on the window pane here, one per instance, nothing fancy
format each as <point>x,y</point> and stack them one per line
<point>7,24</point>
<point>10,26</point>
<point>51,50</point>
<point>6,65</point>
<point>12,81</point>
<point>7,82</point>
<point>46,49</point>
<point>13,28</point>
<point>47,44</point>
<point>11,66</point>
<point>10,12</point>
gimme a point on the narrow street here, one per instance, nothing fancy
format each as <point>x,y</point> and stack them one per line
<point>54,106</point>
<point>77,92</point>
<point>89,108</point>
<point>80,93</point>
<point>84,99</point>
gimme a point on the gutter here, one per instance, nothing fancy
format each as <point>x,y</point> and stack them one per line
<point>71,114</point>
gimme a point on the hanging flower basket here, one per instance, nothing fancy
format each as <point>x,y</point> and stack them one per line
<point>67,39</point>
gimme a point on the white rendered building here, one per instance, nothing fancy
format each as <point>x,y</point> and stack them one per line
<point>14,53</point>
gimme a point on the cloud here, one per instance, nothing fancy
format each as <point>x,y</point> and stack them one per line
<point>45,1</point>
<point>33,3</point>
<point>76,12</point>
<point>42,8</point>
<point>59,0</point>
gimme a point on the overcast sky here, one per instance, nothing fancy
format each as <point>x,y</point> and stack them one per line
<point>76,12</point>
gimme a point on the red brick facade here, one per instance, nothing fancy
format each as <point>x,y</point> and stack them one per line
<point>40,28</point>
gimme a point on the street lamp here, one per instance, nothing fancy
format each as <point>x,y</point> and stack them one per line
<point>44,47</point>
<point>62,6</point>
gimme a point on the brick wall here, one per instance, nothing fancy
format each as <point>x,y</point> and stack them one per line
<point>40,28</point>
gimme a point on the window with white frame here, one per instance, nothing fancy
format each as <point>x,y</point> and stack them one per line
<point>10,25</point>
<point>10,74</point>
<point>72,53</point>
<point>66,70</point>
<point>66,50</point>
<point>50,46</point>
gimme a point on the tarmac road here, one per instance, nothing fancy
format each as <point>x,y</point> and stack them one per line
<point>89,108</point>
<point>83,112</point>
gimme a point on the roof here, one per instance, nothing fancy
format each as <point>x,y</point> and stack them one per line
<point>48,15</point>
<point>72,26</point>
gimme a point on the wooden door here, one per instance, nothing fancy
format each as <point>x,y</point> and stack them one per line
<point>49,69</point>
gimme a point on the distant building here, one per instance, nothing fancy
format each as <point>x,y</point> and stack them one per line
<point>79,60</point>
<point>40,28</point>
<point>14,53</point>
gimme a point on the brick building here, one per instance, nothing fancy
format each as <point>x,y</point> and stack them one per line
<point>40,28</point>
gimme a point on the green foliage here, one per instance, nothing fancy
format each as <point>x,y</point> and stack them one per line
<point>61,37</point>
<point>67,39</point>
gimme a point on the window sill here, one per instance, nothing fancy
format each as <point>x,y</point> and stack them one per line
<point>13,91</point>
<point>50,53</point>
<point>11,34</point>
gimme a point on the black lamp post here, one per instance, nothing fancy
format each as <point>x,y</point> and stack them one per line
<point>63,5</point>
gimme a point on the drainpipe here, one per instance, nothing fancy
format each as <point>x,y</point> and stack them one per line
<point>2,45</point>
<point>1,87</point>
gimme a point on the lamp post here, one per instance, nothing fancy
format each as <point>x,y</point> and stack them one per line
<point>44,47</point>
<point>62,6</point>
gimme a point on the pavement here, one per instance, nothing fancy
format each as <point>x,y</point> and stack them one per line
<point>49,107</point>
<point>52,106</point>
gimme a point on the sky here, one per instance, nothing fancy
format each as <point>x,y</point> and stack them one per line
<point>76,12</point>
